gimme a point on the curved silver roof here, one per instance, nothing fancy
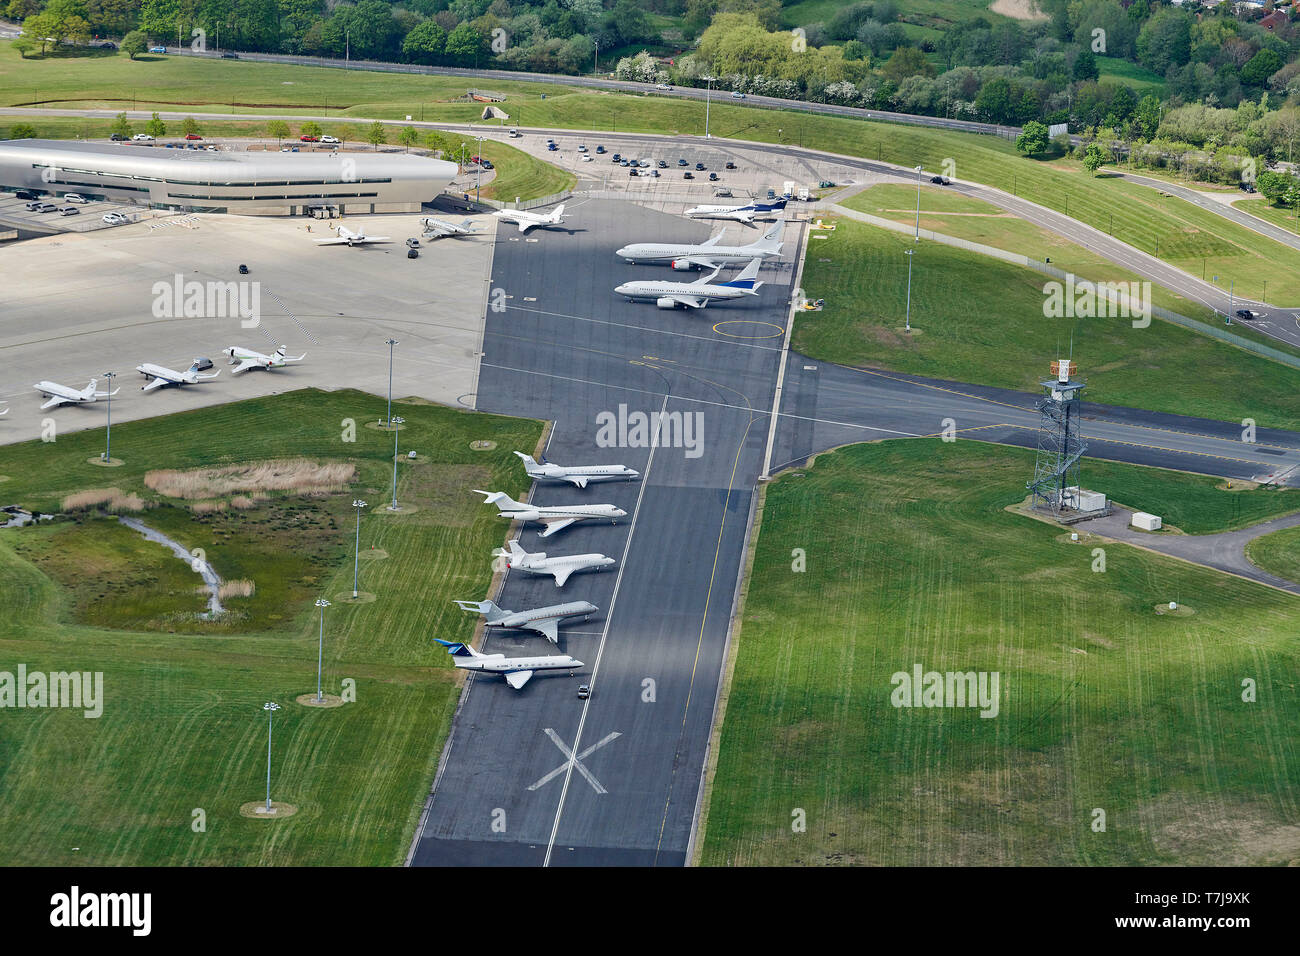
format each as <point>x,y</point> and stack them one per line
<point>127,159</point>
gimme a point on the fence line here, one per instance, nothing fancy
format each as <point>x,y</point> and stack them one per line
<point>1277,355</point>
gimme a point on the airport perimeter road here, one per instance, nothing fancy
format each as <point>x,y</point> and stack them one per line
<point>825,405</point>
<point>566,348</point>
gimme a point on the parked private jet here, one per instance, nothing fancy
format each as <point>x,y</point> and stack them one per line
<point>697,294</point>
<point>528,220</point>
<point>347,237</point>
<point>708,254</point>
<point>578,475</point>
<point>160,377</point>
<point>743,214</point>
<point>437,228</point>
<point>62,395</point>
<point>246,359</point>
<point>543,620</point>
<point>516,670</point>
<point>560,566</point>
<point>555,517</point>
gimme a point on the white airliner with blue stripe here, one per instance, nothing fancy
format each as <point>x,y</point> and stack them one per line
<point>743,214</point>
<point>697,294</point>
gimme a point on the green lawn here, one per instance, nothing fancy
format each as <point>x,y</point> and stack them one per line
<point>1130,74</point>
<point>994,332</point>
<point>1103,704</point>
<point>1277,215</point>
<point>1278,553</point>
<point>183,725</point>
<point>523,176</point>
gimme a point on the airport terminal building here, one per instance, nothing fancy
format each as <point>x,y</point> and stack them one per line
<point>226,181</point>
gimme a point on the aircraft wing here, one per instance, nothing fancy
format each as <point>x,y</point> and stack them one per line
<point>518,679</point>
<point>439,229</point>
<point>562,575</point>
<point>700,261</point>
<point>555,524</point>
<point>373,239</point>
<point>692,301</point>
<point>331,242</point>
<point>245,365</point>
<point>156,382</point>
<point>579,480</point>
<point>549,630</point>
<point>525,225</point>
<point>54,402</point>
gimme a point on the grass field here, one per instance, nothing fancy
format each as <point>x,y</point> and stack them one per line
<point>1278,216</point>
<point>994,332</point>
<point>1277,553</point>
<point>520,175</point>
<point>1103,705</point>
<point>183,726</point>
<point>1184,235</point>
<point>1142,81</point>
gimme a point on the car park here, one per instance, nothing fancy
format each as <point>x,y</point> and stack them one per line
<point>75,197</point>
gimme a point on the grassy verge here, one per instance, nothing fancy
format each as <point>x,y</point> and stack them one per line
<point>911,559</point>
<point>1277,553</point>
<point>1265,210</point>
<point>183,726</point>
<point>1182,234</point>
<point>994,332</point>
<point>520,175</point>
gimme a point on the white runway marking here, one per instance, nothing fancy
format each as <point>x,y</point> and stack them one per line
<point>576,761</point>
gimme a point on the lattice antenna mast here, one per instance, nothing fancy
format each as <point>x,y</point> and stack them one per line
<point>1060,441</point>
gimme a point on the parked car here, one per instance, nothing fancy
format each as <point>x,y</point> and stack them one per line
<point>681,162</point>
<point>24,194</point>
<point>193,136</point>
<point>584,691</point>
<point>309,139</point>
<point>211,147</point>
<point>34,205</point>
<point>688,175</point>
<point>46,207</point>
<point>699,167</point>
<point>75,197</point>
<point>1246,187</point>
<point>825,184</point>
<point>552,147</point>
<point>624,162</point>
<point>487,164</point>
<point>108,45</point>
<point>142,138</point>
<point>243,269</point>
<point>582,148</point>
<point>412,243</point>
<point>722,191</point>
<point>115,219</point>
<point>330,139</point>
<point>412,253</point>
<point>616,157</point>
<point>1246,314</point>
<point>600,149</point>
<point>202,363</point>
<point>118,137</point>
<point>68,210</point>
<point>713,177</point>
<point>587,158</point>
<point>661,164</point>
<point>633,173</point>
<point>730,165</point>
<point>654,173</point>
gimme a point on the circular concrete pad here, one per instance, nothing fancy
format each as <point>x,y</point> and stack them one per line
<point>1182,611</point>
<point>309,700</point>
<point>374,554</point>
<point>482,445</point>
<point>345,597</point>
<point>257,810</point>
<point>110,463</point>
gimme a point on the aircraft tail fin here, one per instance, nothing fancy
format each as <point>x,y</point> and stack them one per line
<point>489,610</point>
<point>771,240</point>
<point>457,649</point>
<point>502,500</point>
<point>747,278</point>
<point>526,459</point>
<point>559,212</point>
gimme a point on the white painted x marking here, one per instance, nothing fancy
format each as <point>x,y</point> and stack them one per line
<point>576,761</point>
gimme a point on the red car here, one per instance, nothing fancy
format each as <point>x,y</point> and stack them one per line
<point>193,136</point>
<point>309,139</point>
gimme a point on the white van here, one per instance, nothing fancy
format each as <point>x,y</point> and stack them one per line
<point>76,197</point>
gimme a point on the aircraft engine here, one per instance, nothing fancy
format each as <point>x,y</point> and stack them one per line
<point>666,302</point>
<point>681,265</point>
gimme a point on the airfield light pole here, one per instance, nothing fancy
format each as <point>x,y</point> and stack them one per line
<point>108,432</point>
<point>918,205</point>
<point>320,644</point>
<point>397,431</point>
<point>390,343</point>
<point>478,174</point>
<point>270,707</point>
<point>595,63</point>
<point>1231,289</point>
<point>908,319</point>
<point>356,559</point>
<point>708,90</point>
